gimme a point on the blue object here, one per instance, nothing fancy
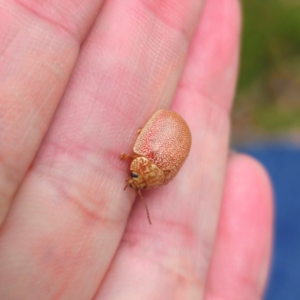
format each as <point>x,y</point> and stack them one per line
<point>282,161</point>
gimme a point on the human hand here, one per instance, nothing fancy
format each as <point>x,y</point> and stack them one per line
<point>69,231</point>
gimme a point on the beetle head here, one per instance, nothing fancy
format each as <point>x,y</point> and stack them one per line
<point>136,181</point>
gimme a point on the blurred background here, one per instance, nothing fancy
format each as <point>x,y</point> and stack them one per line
<point>266,124</point>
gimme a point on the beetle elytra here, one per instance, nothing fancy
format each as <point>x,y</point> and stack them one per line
<point>160,149</point>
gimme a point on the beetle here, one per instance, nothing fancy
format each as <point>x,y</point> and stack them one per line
<point>160,149</point>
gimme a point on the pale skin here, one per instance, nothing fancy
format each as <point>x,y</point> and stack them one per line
<point>69,231</point>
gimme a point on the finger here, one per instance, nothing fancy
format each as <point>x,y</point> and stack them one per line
<point>169,259</point>
<point>241,256</point>
<point>72,208</point>
<point>39,45</point>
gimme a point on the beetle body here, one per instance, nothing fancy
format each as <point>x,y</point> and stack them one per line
<point>161,147</point>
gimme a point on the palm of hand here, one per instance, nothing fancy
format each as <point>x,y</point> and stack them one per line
<point>69,231</point>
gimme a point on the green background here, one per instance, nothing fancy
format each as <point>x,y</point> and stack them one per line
<point>268,95</point>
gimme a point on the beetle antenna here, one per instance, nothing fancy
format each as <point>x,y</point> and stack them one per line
<point>145,204</point>
<point>126,184</point>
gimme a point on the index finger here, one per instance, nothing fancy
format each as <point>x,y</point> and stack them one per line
<point>40,41</point>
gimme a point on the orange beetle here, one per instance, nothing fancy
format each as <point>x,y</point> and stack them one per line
<point>161,147</point>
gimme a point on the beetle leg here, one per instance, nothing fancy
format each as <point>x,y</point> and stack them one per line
<point>125,156</point>
<point>166,172</point>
